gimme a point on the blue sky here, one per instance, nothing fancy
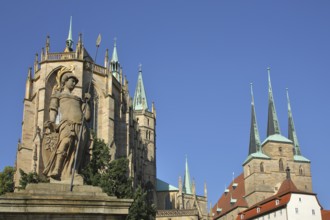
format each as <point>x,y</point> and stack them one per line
<point>198,60</point>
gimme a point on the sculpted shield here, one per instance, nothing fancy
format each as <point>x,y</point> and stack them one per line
<point>49,143</point>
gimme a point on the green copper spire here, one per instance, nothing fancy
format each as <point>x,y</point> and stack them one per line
<point>140,98</point>
<point>187,186</point>
<point>114,53</point>
<point>273,125</point>
<point>114,62</point>
<point>254,132</point>
<point>69,41</point>
<point>292,135</point>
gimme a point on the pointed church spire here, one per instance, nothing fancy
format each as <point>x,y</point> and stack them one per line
<point>140,98</point>
<point>254,132</point>
<point>273,126</point>
<point>106,58</point>
<point>69,41</point>
<point>205,190</point>
<point>187,186</point>
<point>28,84</point>
<point>47,44</point>
<point>114,53</point>
<point>114,63</point>
<point>292,135</point>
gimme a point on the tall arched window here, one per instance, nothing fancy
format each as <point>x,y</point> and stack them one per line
<point>301,170</point>
<point>280,164</point>
<point>188,205</point>
<point>168,204</point>
<point>94,106</point>
<point>248,170</point>
<point>262,169</point>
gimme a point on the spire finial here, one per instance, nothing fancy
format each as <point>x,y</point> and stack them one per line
<point>69,41</point>
<point>106,58</point>
<point>292,134</point>
<point>273,124</point>
<point>254,145</point>
<point>140,67</point>
<point>140,98</point>
<point>187,186</point>
<point>114,58</point>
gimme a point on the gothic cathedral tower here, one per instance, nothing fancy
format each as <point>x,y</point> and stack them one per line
<point>129,129</point>
<point>147,124</point>
<point>264,168</point>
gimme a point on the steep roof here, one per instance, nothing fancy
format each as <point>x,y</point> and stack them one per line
<point>187,185</point>
<point>164,186</point>
<point>273,126</point>
<point>254,145</point>
<point>140,99</point>
<point>231,199</point>
<point>325,214</point>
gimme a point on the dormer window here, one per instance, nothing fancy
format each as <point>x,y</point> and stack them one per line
<point>235,185</point>
<point>258,209</point>
<point>219,210</point>
<point>277,202</point>
<point>242,216</point>
<point>233,201</point>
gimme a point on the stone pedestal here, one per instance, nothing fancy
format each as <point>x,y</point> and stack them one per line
<point>56,201</point>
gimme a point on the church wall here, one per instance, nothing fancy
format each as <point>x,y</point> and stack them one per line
<point>277,150</point>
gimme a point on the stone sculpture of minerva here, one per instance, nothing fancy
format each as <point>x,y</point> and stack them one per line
<point>71,109</point>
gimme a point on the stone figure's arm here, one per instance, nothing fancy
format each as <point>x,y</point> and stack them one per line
<point>53,108</point>
<point>86,107</point>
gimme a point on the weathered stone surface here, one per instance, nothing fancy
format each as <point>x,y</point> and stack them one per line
<point>56,201</point>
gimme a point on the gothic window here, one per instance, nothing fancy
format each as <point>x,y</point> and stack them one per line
<point>262,169</point>
<point>301,171</point>
<point>94,106</point>
<point>168,204</point>
<point>280,164</point>
<point>248,170</point>
<point>188,205</point>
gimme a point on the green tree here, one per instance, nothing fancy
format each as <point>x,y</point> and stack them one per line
<point>30,177</point>
<point>115,180</point>
<point>7,180</point>
<point>112,176</point>
<point>140,208</point>
<point>97,166</point>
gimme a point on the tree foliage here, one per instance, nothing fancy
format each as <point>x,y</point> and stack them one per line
<point>30,177</point>
<point>140,208</point>
<point>7,180</point>
<point>112,176</point>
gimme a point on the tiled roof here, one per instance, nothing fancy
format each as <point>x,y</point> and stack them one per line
<point>235,191</point>
<point>265,207</point>
<point>325,214</point>
<point>282,197</point>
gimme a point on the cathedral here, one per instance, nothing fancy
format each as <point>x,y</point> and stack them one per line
<point>276,181</point>
<point>126,124</point>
